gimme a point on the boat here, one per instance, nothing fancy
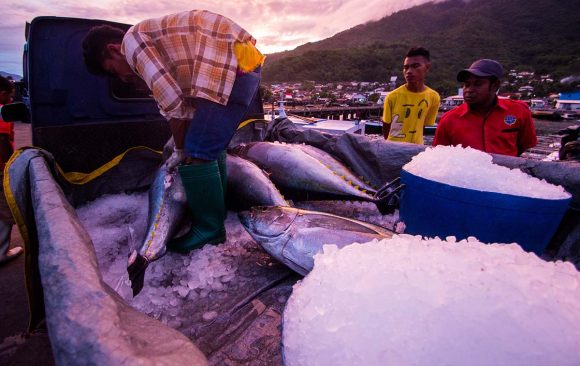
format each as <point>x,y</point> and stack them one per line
<point>542,109</point>
<point>335,127</point>
<point>451,102</point>
<point>568,105</point>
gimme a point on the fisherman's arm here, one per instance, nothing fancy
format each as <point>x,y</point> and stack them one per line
<point>527,136</point>
<point>386,118</point>
<point>386,130</point>
<point>178,129</point>
<point>433,110</point>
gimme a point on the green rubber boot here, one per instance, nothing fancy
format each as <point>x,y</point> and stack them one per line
<point>205,199</point>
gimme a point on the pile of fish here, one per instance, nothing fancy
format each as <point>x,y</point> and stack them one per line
<point>257,173</point>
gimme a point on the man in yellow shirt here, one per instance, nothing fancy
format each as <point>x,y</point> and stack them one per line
<point>413,105</point>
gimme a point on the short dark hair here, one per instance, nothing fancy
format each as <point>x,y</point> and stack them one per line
<point>95,46</point>
<point>6,85</point>
<point>418,51</point>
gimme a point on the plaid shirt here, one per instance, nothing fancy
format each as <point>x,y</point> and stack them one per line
<point>183,56</point>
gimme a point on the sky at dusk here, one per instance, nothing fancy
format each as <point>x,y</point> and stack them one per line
<point>278,25</point>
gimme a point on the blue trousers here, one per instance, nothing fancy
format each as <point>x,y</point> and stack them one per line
<point>214,125</point>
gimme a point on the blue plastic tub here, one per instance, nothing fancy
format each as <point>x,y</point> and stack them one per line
<point>430,209</point>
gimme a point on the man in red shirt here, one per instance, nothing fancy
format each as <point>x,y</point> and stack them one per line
<point>6,149</point>
<point>484,121</point>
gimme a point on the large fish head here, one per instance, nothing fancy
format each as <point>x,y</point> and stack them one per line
<point>267,221</point>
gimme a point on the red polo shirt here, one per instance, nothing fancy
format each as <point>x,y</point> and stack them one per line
<point>508,128</point>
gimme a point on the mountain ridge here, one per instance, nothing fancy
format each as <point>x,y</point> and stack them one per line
<point>13,76</point>
<point>540,35</point>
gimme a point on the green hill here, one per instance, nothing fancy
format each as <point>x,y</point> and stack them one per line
<point>538,35</point>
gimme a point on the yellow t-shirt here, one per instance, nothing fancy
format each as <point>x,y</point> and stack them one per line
<point>408,112</point>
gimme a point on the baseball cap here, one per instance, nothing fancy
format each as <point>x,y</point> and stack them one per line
<point>483,68</point>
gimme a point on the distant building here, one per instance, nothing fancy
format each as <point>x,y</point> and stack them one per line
<point>451,102</point>
<point>569,105</point>
<point>358,99</point>
<point>382,97</point>
<point>525,74</point>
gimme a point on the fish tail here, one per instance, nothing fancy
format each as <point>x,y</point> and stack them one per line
<point>136,272</point>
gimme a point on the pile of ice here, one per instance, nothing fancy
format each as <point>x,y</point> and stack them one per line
<point>473,169</point>
<point>177,286</point>
<point>174,283</point>
<point>408,301</point>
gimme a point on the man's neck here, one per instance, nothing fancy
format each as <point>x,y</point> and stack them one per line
<point>415,87</point>
<point>484,108</point>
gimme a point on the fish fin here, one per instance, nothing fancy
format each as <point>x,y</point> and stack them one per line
<point>136,271</point>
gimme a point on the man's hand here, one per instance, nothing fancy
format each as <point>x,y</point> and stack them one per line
<point>175,159</point>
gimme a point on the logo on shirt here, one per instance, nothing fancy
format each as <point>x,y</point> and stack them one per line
<point>510,120</point>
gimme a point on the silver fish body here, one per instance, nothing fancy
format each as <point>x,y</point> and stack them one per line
<point>290,167</point>
<point>293,236</point>
<point>167,206</point>
<point>337,167</point>
<point>249,186</point>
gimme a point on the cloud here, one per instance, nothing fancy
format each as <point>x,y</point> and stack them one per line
<point>277,24</point>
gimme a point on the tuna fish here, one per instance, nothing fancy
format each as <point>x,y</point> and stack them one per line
<point>249,186</point>
<point>167,206</point>
<point>293,236</point>
<point>305,169</point>
<point>337,167</point>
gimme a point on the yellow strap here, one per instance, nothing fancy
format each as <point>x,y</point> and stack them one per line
<point>21,224</point>
<point>71,177</point>
<point>246,122</point>
<point>12,202</point>
<point>82,178</point>
<point>252,120</point>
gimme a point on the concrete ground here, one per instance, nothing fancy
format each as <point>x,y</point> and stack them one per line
<point>17,347</point>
